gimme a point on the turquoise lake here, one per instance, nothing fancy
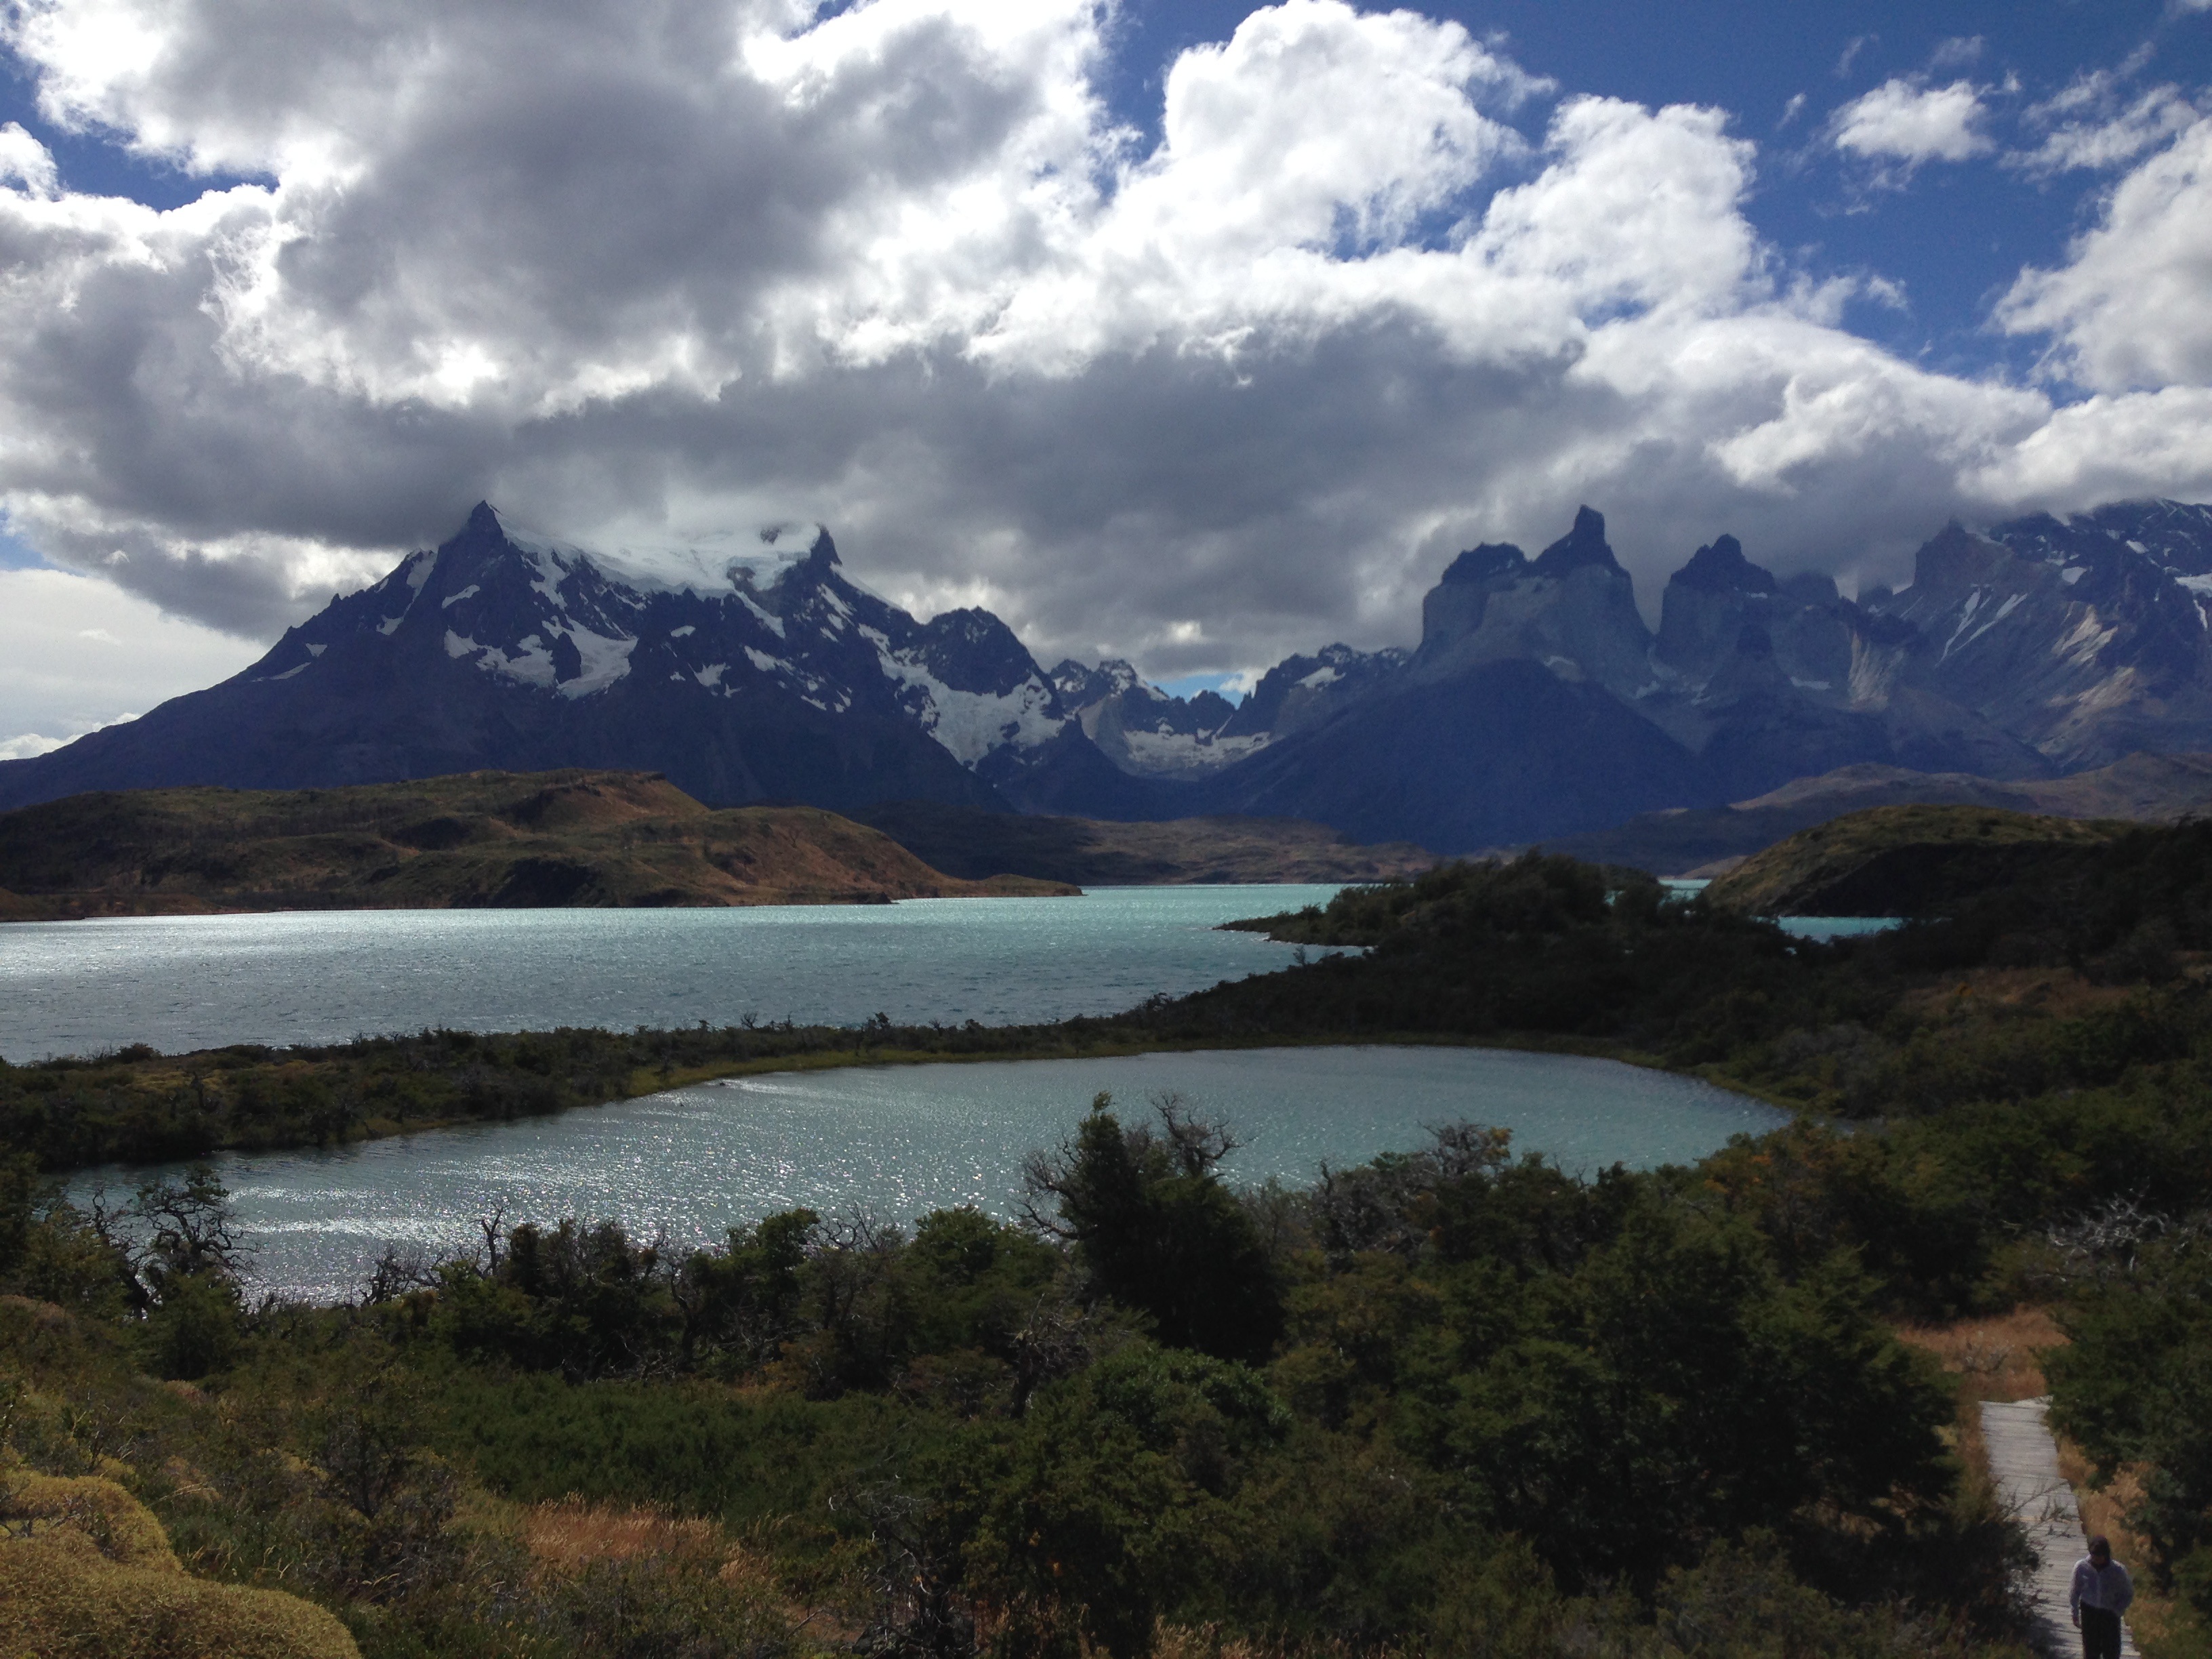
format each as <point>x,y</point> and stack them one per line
<point>896,1142</point>
<point>185,982</point>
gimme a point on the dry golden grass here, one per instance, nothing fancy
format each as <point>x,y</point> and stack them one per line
<point>570,1533</point>
<point>1997,1357</point>
<point>1984,991</point>
<point>1202,1642</point>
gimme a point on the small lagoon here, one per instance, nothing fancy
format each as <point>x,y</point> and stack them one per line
<point>896,1142</point>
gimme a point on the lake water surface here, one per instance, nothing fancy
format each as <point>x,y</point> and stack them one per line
<point>899,1142</point>
<point>185,982</point>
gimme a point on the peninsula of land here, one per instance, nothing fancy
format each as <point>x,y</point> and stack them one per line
<point>480,840</point>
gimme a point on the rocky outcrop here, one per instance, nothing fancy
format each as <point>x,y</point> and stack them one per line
<point>1571,609</point>
<point>2086,639</point>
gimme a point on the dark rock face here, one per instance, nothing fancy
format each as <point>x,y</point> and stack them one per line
<point>1302,691</point>
<point>1572,609</point>
<point>1507,751</point>
<point>2086,639</point>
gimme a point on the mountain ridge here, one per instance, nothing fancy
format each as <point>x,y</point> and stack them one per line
<point>1537,704</point>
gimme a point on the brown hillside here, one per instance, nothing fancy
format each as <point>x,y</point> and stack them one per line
<point>482,839</point>
<point>1894,861</point>
<point>1097,853</point>
<point>1709,841</point>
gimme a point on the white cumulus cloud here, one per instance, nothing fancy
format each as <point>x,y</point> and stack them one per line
<point>2094,122</point>
<point>25,163</point>
<point>2132,308</point>
<point>1904,121</point>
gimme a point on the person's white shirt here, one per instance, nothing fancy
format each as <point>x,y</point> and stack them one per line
<point>2108,1587</point>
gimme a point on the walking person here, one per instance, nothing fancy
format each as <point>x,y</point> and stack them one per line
<point>2101,1593</point>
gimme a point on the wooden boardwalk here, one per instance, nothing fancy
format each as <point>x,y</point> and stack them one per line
<point>2024,1463</point>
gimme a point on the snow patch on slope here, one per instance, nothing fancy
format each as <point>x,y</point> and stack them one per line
<point>534,666</point>
<point>1182,753</point>
<point>604,660</point>
<point>970,725</point>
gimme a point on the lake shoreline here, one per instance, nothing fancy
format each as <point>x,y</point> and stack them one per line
<point>299,1071</point>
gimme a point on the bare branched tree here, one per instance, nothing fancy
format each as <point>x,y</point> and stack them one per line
<point>2109,1243</point>
<point>494,1229</point>
<point>920,1610</point>
<point>398,1272</point>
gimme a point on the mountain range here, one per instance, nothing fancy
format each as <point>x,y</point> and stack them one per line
<point>1538,703</point>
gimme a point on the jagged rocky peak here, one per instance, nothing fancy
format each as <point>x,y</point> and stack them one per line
<point>1146,731</point>
<point>1083,686</point>
<point>2088,637</point>
<point>1584,545</point>
<point>1301,691</point>
<point>971,648</point>
<point>1720,567</point>
<point>1149,733</point>
<point>1484,561</point>
<point>1571,608</point>
<point>537,612</point>
<point>2174,535</point>
<point>1726,621</point>
<point>1956,558</point>
<point>769,619</point>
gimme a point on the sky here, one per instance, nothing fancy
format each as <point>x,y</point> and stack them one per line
<point>1191,333</point>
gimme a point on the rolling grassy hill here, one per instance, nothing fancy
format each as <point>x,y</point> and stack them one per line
<point>1900,860</point>
<point>1093,852</point>
<point>481,839</point>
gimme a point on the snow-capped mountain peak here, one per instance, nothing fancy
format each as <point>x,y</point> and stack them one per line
<point>771,617</point>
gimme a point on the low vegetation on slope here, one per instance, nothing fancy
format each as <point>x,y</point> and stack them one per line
<point>1707,840</point>
<point>500,839</point>
<point>1904,860</point>
<point>1451,1402</point>
<point>966,841</point>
